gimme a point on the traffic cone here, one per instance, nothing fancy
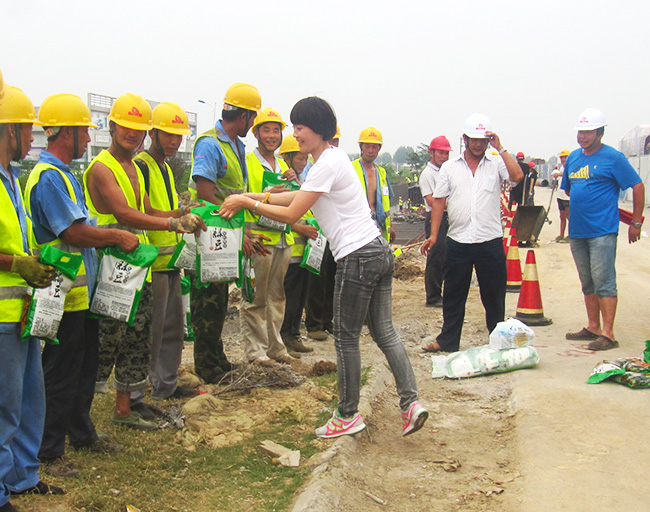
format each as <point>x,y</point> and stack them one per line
<point>529,307</point>
<point>506,236</point>
<point>513,265</point>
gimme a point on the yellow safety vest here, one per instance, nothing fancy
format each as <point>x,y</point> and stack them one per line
<point>166,241</point>
<point>77,297</point>
<point>255,185</point>
<point>233,181</point>
<point>385,198</point>
<point>13,288</point>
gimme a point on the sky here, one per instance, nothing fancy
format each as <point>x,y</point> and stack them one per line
<point>413,69</point>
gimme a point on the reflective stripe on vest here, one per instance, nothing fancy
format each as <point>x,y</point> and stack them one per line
<point>77,297</point>
<point>385,198</point>
<point>233,181</point>
<point>255,185</point>
<point>13,288</point>
<point>166,241</point>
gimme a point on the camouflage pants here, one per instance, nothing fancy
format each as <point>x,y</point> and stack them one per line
<point>209,307</point>
<point>127,347</point>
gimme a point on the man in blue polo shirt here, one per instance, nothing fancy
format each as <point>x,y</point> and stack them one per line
<point>593,178</point>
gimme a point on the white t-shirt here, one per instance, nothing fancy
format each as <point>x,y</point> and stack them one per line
<point>473,201</point>
<point>428,182</point>
<point>561,193</point>
<point>342,210</point>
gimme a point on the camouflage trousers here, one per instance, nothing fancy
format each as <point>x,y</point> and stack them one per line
<point>127,347</point>
<point>209,307</point>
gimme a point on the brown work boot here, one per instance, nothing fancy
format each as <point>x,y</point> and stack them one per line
<point>295,344</point>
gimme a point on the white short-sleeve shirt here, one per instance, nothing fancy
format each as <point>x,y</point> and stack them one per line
<point>473,200</point>
<point>342,210</point>
<point>428,182</point>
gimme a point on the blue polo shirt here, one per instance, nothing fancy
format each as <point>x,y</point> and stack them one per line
<point>209,160</point>
<point>54,211</point>
<point>594,183</point>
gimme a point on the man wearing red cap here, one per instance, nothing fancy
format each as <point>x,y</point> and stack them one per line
<point>433,275</point>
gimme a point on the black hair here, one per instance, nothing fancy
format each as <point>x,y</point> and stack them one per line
<point>600,131</point>
<point>316,114</point>
<point>232,115</point>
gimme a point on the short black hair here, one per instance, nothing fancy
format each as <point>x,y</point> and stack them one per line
<point>232,115</point>
<point>316,114</point>
<point>600,131</point>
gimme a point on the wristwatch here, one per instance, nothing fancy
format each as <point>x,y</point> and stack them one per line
<point>637,225</point>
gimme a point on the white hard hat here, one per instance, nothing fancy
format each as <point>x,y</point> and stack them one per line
<point>591,119</point>
<point>476,125</point>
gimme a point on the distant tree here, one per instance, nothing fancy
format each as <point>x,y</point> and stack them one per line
<point>417,160</point>
<point>384,159</point>
<point>181,169</point>
<point>392,174</point>
<point>401,155</point>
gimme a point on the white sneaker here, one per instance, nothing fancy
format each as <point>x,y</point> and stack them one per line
<point>338,426</point>
<point>413,419</point>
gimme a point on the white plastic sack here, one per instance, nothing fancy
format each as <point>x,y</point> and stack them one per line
<point>482,361</point>
<point>511,334</point>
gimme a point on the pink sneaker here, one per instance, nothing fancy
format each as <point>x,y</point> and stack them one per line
<point>413,419</point>
<point>338,426</point>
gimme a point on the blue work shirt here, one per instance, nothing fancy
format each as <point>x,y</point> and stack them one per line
<point>209,160</point>
<point>54,211</point>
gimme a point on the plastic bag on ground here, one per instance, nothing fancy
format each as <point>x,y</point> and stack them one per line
<point>511,334</point>
<point>631,371</point>
<point>483,360</point>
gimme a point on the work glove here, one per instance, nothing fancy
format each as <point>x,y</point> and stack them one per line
<point>188,223</point>
<point>34,272</point>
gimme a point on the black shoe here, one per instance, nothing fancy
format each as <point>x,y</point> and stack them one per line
<point>184,392</point>
<point>144,411</point>
<point>101,446</point>
<point>40,488</point>
<point>231,367</point>
<point>8,507</point>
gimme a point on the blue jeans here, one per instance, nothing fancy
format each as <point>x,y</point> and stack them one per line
<point>595,260</point>
<point>22,411</point>
<point>364,281</point>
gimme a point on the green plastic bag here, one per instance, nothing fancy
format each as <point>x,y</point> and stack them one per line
<point>120,278</point>
<point>186,290</point>
<point>631,371</point>
<point>312,258</point>
<point>270,180</point>
<point>219,249</point>
<point>184,256</point>
<point>248,286</point>
<point>46,306</point>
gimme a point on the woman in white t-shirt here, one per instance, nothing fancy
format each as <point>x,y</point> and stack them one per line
<point>364,259</point>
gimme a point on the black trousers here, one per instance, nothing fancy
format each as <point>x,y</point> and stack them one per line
<point>296,281</point>
<point>70,371</point>
<point>489,260</point>
<point>319,314</point>
<point>434,272</point>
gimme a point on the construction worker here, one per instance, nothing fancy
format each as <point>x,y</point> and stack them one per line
<point>518,193</point>
<point>117,197</point>
<point>530,183</point>
<point>439,149</point>
<point>22,401</point>
<point>55,200</point>
<point>218,170</point>
<point>261,320</point>
<point>296,279</point>
<point>374,180</point>
<point>562,197</point>
<point>170,123</point>
<point>469,186</point>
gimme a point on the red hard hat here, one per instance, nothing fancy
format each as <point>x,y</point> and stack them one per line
<point>440,143</point>
<point>520,155</point>
<point>531,164</point>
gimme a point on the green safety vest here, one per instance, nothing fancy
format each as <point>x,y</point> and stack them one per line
<point>233,181</point>
<point>77,297</point>
<point>255,181</point>
<point>166,241</point>
<point>385,198</point>
<point>13,288</point>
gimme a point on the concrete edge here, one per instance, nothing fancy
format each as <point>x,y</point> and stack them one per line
<point>321,491</point>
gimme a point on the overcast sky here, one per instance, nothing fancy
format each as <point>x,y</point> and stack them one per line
<point>412,69</point>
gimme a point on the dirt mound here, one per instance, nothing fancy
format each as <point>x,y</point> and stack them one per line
<point>409,265</point>
<point>322,368</point>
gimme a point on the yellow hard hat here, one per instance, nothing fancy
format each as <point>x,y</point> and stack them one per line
<point>565,152</point>
<point>244,96</point>
<point>289,145</point>
<point>65,110</point>
<point>131,111</point>
<point>171,118</point>
<point>16,107</point>
<point>268,115</point>
<point>337,135</point>
<point>2,86</point>
<point>370,135</point>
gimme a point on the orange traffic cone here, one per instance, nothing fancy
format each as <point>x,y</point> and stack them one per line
<point>513,265</point>
<point>529,307</point>
<point>506,235</point>
<point>513,210</point>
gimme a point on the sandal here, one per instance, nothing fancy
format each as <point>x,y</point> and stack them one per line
<point>433,348</point>
<point>582,335</point>
<point>602,343</point>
